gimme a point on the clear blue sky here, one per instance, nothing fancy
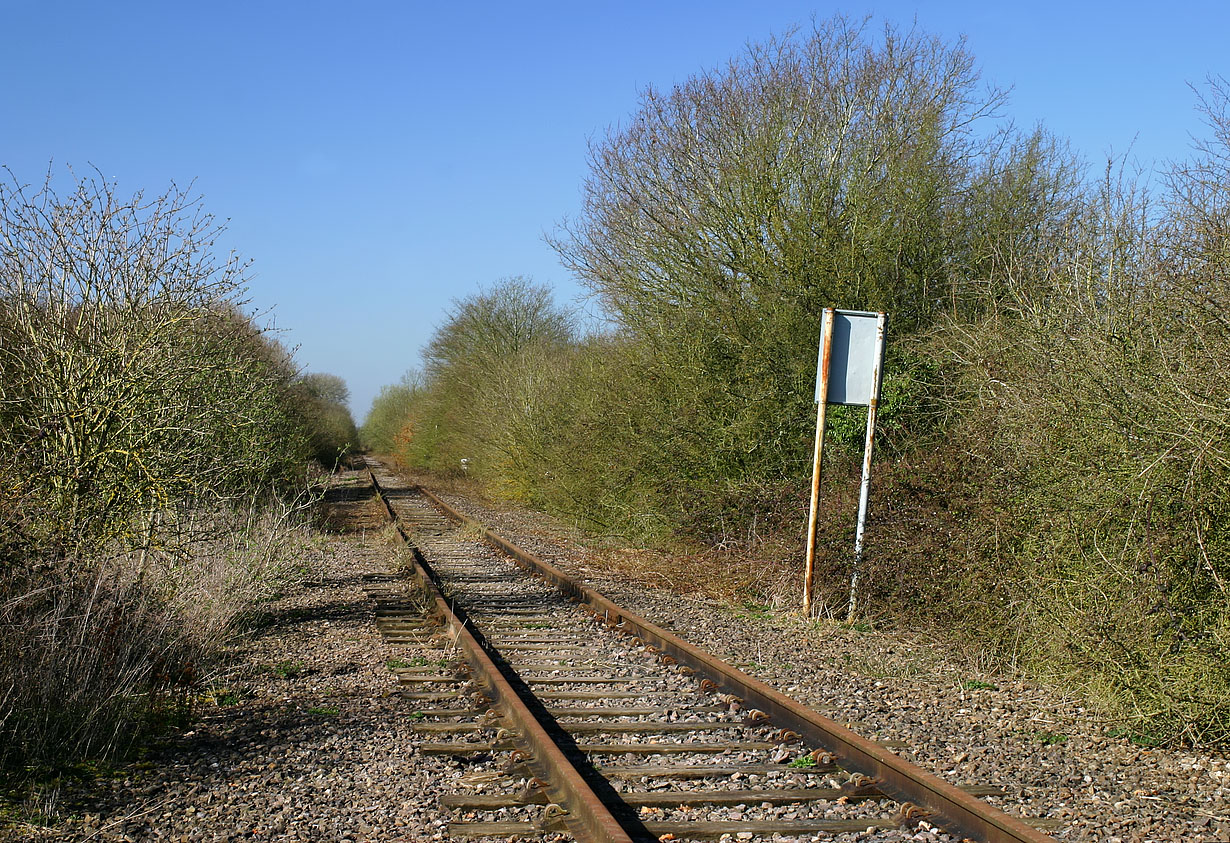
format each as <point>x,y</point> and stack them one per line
<point>378,159</point>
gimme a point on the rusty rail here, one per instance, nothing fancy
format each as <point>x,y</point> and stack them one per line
<point>924,795</point>
<point>565,785</point>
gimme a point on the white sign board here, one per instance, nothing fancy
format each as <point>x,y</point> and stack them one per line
<point>853,359</point>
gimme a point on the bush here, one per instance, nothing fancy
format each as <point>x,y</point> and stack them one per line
<point>829,168</point>
<point>96,659</point>
<point>1054,471</point>
<point>129,380</point>
<point>383,430</point>
<point>1093,402</point>
<point>146,425</point>
<point>322,404</point>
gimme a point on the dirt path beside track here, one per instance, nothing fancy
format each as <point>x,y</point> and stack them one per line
<point>307,739</point>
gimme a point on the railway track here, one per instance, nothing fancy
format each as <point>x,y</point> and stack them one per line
<point>611,729</point>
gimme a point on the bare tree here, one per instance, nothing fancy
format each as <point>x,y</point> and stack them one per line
<point>146,425</point>
<point>823,167</point>
<point>130,380</point>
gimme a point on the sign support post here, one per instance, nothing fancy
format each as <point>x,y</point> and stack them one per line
<point>864,491</point>
<point>849,371</point>
<point>822,389</point>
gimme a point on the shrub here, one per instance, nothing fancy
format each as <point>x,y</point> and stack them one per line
<point>146,429</point>
<point>830,167</point>
<point>1093,401</point>
<point>93,660</point>
<point>1054,474</point>
<point>129,380</point>
<point>321,401</point>
<point>383,428</point>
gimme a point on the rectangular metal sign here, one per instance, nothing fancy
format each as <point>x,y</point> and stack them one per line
<point>847,372</point>
<point>854,362</point>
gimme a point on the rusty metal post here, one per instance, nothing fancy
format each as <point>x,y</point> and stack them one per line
<point>822,394</point>
<point>865,487</point>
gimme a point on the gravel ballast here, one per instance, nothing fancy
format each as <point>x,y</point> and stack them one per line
<point>313,739</point>
<point>1052,755</point>
<point>309,738</point>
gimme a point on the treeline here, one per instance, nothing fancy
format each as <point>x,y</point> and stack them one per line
<point>154,445</point>
<point>1053,477</point>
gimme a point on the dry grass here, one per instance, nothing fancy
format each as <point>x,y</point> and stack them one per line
<point>93,656</point>
<point>734,573</point>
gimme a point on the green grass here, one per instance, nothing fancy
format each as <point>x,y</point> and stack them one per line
<point>226,697</point>
<point>34,799</point>
<point>36,808</point>
<point>1049,738</point>
<point>288,670</point>
<point>1143,739</point>
<point>756,611</point>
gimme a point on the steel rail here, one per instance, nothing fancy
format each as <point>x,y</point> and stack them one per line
<point>564,783</point>
<point>923,794</point>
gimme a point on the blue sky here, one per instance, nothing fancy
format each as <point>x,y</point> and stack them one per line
<point>376,160</point>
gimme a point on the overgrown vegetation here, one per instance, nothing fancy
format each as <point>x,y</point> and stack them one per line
<point>1095,399</point>
<point>1054,470</point>
<point>153,447</point>
<point>322,402</point>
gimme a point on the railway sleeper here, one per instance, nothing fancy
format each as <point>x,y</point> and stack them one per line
<point>658,799</point>
<point>525,626</point>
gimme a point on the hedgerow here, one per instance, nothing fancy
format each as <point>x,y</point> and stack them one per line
<point>1053,471</point>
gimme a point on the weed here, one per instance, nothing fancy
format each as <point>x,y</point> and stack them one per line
<point>41,806</point>
<point>756,611</point>
<point>416,716</point>
<point>226,697</point>
<point>1142,739</point>
<point>472,532</point>
<point>802,763</point>
<point>172,713</point>
<point>288,670</point>
<point>979,685</point>
<point>1049,738</point>
<point>324,711</point>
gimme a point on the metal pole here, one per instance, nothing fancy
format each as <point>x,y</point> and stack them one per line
<point>822,388</point>
<point>865,488</point>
